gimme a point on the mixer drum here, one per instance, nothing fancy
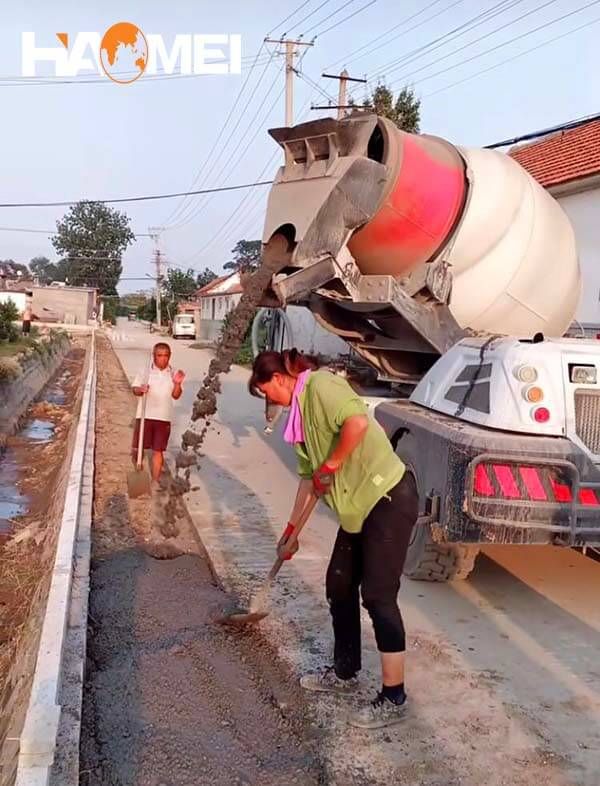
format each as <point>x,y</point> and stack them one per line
<point>424,195</point>
<point>400,202</point>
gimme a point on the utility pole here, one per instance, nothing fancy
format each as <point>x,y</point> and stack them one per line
<point>290,54</point>
<point>342,104</point>
<point>155,235</point>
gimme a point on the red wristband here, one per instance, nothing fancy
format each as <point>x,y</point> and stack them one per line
<point>323,479</point>
<point>286,534</point>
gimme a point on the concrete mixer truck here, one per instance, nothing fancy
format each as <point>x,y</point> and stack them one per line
<point>455,275</point>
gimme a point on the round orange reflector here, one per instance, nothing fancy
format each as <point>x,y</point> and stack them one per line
<point>534,395</point>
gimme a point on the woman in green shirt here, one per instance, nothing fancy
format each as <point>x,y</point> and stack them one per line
<point>345,457</point>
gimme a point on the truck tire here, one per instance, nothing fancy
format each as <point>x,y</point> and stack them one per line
<point>430,561</point>
<point>427,560</point>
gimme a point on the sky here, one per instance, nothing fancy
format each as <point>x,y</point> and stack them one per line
<point>478,84</point>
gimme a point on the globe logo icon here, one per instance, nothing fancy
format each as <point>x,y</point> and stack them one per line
<point>124,52</point>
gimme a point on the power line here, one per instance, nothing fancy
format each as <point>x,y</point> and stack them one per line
<point>568,126</point>
<point>585,25</point>
<point>329,16</point>
<point>43,81</point>
<point>222,231</point>
<point>217,190</point>
<point>179,208</point>
<point>346,60</point>
<point>408,30</point>
<point>313,84</point>
<point>476,40</point>
<point>227,164</point>
<point>308,16</point>
<point>505,43</point>
<point>51,232</point>
<point>346,18</point>
<point>191,210</point>
<point>288,17</point>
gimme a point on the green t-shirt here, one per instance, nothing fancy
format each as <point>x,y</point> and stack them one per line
<point>368,473</point>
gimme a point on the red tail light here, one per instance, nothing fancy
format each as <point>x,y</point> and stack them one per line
<point>482,484</point>
<point>533,483</point>
<point>527,482</point>
<point>562,492</point>
<point>506,481</point>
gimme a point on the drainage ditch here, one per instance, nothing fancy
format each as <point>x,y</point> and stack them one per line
<point>33,468</point>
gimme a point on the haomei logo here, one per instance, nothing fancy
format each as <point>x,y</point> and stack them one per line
<point>124,53</point>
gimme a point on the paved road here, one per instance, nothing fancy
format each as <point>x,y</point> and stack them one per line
<point>504,671</point>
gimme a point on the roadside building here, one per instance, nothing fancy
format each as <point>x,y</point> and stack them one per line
<point>213,302</point>
<point>64,304</point>
<point>567,163</point>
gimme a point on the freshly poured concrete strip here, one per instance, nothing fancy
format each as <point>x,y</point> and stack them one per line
<point>38,738</point>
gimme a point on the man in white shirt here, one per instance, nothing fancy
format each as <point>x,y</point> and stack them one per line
<point>162,387</point>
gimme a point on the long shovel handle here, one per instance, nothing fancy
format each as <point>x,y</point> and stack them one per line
<point>294,536</point>
<point>140,450</point>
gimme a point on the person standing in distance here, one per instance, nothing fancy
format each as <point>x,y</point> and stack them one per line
<point>162,388</point>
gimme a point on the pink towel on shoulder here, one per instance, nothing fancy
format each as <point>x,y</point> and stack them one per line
<point>294,429</point>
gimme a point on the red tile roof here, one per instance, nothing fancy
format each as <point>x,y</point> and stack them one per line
<point>207,287</point>
<point>568,155</point>
<point>233,289</point>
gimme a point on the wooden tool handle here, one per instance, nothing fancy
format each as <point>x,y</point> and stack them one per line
<point>140,450</point>
<point>294,536</point>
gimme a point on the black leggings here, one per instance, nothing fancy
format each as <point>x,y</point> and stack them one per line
<point>371,561</point>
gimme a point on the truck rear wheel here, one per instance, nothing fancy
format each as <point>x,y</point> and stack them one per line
<point>430,561</point>
<point>427,560</point>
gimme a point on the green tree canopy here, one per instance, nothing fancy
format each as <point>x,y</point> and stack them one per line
<point>246,256</point>
<point>46,271</point>
<point>205,277</point>
<point>404,110</point>
<point>179,285</point>
<point>92,238</point>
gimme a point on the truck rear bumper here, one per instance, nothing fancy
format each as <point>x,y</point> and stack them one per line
<point>487,486</point>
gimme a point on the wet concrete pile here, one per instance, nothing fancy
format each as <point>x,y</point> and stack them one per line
<point>205,405</point>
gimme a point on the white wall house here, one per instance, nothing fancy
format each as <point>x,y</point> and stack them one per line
<point>567,163</point>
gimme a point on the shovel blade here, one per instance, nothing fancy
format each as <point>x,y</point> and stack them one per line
<point>138,484</point>
<point>241,618</point>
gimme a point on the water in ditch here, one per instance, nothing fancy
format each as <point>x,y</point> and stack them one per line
<point>13,502</point>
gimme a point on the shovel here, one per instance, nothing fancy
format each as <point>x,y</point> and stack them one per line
<point>138,480</point>
<point>241,617</point>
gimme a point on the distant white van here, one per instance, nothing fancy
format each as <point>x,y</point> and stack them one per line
<point>184,326</point>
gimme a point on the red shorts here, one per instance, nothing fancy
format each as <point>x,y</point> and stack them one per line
<point>156,434</point>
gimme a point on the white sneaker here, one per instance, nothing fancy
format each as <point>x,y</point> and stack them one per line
<point>379,713</point>
<point>327,681</point>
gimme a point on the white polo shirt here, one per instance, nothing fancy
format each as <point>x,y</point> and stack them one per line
<point>159,399</point>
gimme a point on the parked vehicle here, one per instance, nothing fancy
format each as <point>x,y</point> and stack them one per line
<point>184,326</point>
<point>454,274</point>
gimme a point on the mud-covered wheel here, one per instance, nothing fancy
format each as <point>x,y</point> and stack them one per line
<point>427,560</point>
<point>430,561</point>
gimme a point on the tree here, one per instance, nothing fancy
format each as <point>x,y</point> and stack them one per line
<point>404,111</point>
<point>246,256</point>
<point>9,314</point>
<point>46,271</point>
<point>93,238</point>
<point>133,300</point>
<point>17,267</point>
<point>178,286</point>
<point>205,277</point>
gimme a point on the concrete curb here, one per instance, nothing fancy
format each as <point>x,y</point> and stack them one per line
<point>66,609</point>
